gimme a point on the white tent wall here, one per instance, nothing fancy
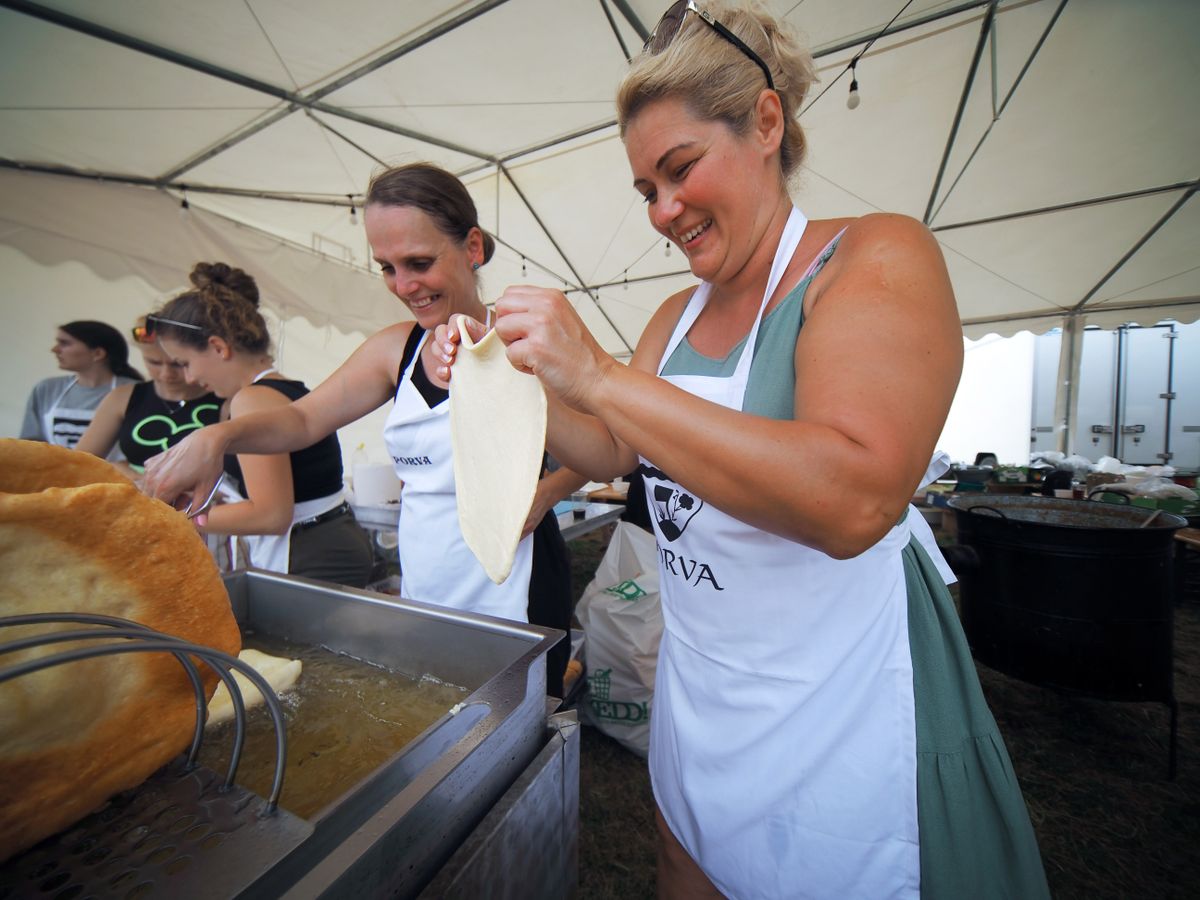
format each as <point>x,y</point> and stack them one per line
<point>1049,144</point>
<point>35,299</point>
<point>992,408</point>
<point>117,230</point>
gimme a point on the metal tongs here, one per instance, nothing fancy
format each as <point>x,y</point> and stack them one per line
<point>192,510</point>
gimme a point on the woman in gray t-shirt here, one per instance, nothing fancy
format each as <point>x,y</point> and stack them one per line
<point>60,408</point>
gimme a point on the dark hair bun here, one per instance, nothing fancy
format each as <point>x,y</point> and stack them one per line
<point>219,274</point>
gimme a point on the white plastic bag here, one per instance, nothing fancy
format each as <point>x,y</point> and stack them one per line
<point>622,624</point>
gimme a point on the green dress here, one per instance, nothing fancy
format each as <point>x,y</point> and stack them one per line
<point>976,840</point>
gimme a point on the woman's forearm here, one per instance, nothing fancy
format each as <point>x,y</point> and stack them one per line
<point>583,443</point>
<point>247,517</point>
<point>281,430</point>
<point>825,489</point>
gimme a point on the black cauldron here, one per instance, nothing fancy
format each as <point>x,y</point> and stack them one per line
<point>1070,594</point>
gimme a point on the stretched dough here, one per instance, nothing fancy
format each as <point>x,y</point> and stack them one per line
<point>498,435</point>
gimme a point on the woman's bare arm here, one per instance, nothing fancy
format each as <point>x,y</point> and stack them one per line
<point>270,499</point>
<point>877,363</point>
<point>363,383</point>
<point>101,435</point>
<point>550,489</point>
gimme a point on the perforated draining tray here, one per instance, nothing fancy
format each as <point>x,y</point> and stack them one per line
<point>177,835</point>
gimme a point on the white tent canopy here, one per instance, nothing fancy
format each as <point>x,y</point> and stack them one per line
<point>1050,145</point>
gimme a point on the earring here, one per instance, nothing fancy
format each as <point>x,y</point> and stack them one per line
<point>474,267</point>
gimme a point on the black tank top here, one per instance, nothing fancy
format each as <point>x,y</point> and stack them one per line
<point>430,392</point>
<point>316,470</point>
<point>152,424</point>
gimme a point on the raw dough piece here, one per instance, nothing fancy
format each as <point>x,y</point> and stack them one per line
<point>498,433</point>
<point>280,673</point>
<point>73,735</point>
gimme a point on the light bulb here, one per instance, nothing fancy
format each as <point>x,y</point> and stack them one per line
<point>668,253</point>
<point>183,208</point>
<point>353,211</point>
<point>853,100</point>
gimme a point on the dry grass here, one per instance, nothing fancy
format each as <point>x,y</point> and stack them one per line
<point>1094,773</point>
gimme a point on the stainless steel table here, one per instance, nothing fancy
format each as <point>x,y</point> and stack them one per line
<point>594,516</point>
<point>378,518</point>
<point>383,520</point>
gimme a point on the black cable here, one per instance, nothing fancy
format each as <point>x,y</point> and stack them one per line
<point>856,57</point>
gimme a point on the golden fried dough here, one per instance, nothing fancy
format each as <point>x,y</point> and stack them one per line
<point>73,735</point>
<point>29,466</point>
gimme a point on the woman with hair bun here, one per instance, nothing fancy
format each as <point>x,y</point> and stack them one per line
<point>144,418</point>
<point>60,409</point>
<point>818,727</point>
<point>424,232</point>
<point>293,515</point>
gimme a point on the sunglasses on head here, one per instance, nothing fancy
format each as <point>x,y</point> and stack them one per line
<point>672,20</point>
<point>148,334</point>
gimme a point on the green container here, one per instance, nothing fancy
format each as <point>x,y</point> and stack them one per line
<point>1011,475</point>
<point>1179,506</point>
<point>1176,505</point>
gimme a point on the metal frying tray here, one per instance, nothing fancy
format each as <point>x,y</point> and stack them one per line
<point>180,836</point>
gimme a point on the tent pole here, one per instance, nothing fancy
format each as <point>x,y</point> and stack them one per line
<point>914,22</point>
<point>1189,186</point>
<point>980,44</point>
<point>294,100</point>
<point>631,17</point>
<point>1066,400</point>
<point>1141,242</point>
<point>998,110</point>
<point>579,278</point>
<point>616,31</point>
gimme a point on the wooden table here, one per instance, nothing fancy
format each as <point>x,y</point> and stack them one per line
<point>606,494</point>
<point>1189,537</point>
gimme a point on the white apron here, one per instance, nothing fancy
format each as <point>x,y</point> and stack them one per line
<point>938,466</point>
<point>436,565</point>
<point>273,552</point>
<point>783,739</point>
<point>65,425</point>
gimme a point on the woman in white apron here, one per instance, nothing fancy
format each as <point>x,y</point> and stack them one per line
<point>279,500</point>
<point>60,409</point>
<point>818,729</point>
<point>423,229</point>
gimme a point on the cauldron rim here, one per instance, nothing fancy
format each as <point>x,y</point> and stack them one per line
<point>1009,505</point>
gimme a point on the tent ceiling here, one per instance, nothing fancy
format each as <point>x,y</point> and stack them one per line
<point>1051,145</point>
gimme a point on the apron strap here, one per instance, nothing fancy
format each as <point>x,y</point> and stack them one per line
<point>789,240</point>
<point>410,350</point>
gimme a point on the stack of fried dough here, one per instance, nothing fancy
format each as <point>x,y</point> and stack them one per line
<point>77,537</point>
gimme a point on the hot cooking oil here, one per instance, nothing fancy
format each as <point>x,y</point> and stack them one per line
<point>345,717</point>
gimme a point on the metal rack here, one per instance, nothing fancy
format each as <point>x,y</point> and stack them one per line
<point>169,836</point>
